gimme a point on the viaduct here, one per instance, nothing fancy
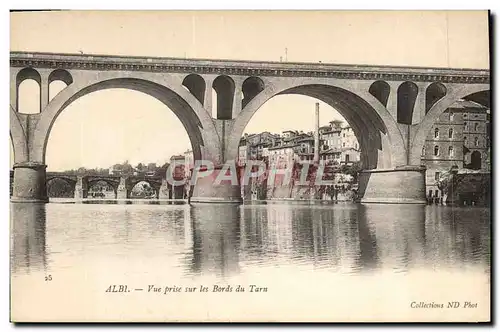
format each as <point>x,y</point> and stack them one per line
<point>391,110</point>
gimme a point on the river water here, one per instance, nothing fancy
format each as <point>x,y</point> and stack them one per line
<point>295,262</point>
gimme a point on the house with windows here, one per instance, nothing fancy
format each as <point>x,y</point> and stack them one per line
<point>459,138</point>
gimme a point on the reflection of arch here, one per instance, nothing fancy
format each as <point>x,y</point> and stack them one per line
<point>191,114</point>
<point>407,95</point>
<point>196,85</point>
<point>224,87</point>
<point>381,91</point>
<point>477,92</point>
<point>434,92</point>
<point>475,160</point>
<point>251,87</point>
<point>372,124</point>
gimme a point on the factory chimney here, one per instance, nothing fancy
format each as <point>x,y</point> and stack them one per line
<point>316,135</point>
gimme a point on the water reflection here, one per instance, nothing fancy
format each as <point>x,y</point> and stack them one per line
<point>398,232</point>
<point>28,243</point>
<point>459,235</point>
<point>216,236</point>
<point>220,240</point>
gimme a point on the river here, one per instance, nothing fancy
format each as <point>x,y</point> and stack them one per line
<point>295,262</point>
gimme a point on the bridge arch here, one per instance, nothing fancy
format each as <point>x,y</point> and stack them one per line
<point>407,96</point>
<point>23,77</point>
<point>196,85</point>
<point>112,183</point>
<point>224,87</point>
<point>377,132</point>
<point>155,184</point>
<point>477,92</point>
<point>68,180</point>
<point>380,90</point>
<point>433,93</point>
<point>185,106</point>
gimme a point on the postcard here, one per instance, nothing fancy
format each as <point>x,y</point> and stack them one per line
<point>250,166</point>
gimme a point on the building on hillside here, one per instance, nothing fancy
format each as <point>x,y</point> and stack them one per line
<point>189,162</point>
<point>330,135</point>
<point>350,151</point>
<point>337,142</point>
<point>459,138</point>
<point>252,145</point>
<point>282,156</point>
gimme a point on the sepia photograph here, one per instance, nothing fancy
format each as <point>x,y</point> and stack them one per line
<point>250,166</point>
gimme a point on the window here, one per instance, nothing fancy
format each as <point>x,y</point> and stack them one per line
<point>450,133</point>
<point>436,133</point>
<point>465,139</point>
<point>436,175</point>
<point>451,116</point>
<point>476,141</point>
<point>343,145</point>
<point>476,126</point>
<point>436,192</point>
<point>346,158</point>
<point>436,150</point>
<point>465,115</point>
<point>465,126</point>
<point>423,151</point>
<point>430,193</point>
<point>450,151</point>
<point>343,135</point>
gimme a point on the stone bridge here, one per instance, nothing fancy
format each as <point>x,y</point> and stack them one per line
<point>391,110</point>
<point>122,185</point>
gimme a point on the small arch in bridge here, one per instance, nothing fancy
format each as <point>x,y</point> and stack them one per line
<point>381,91</point>
<point>407,95</point>
<point>481,97</point>
<point>434,92</point>
<point>60,187</point>
<point>101,188</point>
<point>143,189</point>
<point>224,90</point>
<point>196,85</point>
<point>28,91</point>
<point>58,80</point>
<point>251,87</point>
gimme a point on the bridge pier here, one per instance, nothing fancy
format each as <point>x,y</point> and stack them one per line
<point>29,182</point>
<point>401,185</point>
<point>81,188</point>
<point>163,190</point>
<point>208,190</point>
<point>121,191</point>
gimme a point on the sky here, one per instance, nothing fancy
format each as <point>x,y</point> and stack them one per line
<point>111,126</point>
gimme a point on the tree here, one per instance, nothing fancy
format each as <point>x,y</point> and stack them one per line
<point>162,171</point>
<point>352,170</point>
